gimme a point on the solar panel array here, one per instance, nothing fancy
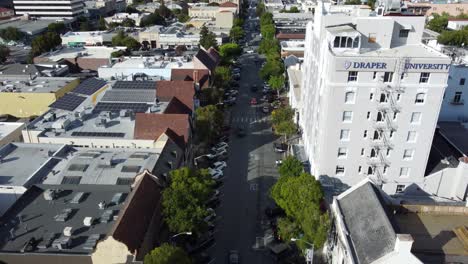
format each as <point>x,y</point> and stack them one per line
<point>98,134</point>
<point>68,102</point>
<point>89,86</point>
<point>129,96</point>
<point>116,107</point>
<point>134,85</point>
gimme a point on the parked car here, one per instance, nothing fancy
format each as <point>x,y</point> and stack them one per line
<point>280,147</point>
<point>233,257</point>
<point>219,165</point>
<point>217,175</point>
<point>217,154</point>
<point>211,215</point>
<point>221,145</point>
<point>266,109</point>
<point>240,132</point>
<point>254,88</point>
<point>217,150</point>
<point>253,101</point>
<point>230,101</point>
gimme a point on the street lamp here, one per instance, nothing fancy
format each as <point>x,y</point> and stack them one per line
<point>309,254</point>
<point>171,240</point>
<point>195,159</point>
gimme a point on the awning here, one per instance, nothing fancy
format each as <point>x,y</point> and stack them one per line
<point>406,26</point>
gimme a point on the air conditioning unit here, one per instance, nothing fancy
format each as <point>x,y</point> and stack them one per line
<point>68,231</point>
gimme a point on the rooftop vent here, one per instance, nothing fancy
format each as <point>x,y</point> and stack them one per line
<point>68,231</point>
<point>50,194</point>
<point>78,198</point>
<point>102,205</point>
<point>62,243</point>
<point>117,198</point>
<point>107,216</point>
<point>64,215</point>
<point>88,221</point>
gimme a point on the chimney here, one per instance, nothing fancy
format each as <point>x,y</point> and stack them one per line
<point>195,76</point>
<point>403,243</point>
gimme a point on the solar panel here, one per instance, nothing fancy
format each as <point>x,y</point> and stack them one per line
<point>129,96</point>
<point>98,134</point>
<point>89,86</point>
<point>68,102</point>
<point>134,85</point>
<point>116,107</point>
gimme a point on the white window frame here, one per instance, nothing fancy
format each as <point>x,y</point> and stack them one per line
<point>408,154</point>
<point>420,98</point>
<point>424,77</point>
<point>339,170</point>
<point>346,132</point>
<point>404,172</point>
<point>345,116</point>
<point>342,153</point>
<point>352,76</point>
<point>350,97</point>
<point>411,134</point>
<point>413,120</point>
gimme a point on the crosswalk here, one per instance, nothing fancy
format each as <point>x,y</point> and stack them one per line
<point>249,118</point>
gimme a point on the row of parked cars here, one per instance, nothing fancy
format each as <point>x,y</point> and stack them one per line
<point>230,93</point>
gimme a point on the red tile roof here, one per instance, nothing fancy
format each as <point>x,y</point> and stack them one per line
<point>183,90</point>
<point>175,106</point>
<point>152,126</point>
<point>290,36</point>
<point>190,75</point>
<point>228,4</point>
<point>135,217</point>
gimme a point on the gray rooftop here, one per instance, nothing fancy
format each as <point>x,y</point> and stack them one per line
<point>37,85</point>
<point>20,69</point>
<point>371,235</point>
<point>20,162</point>
<point>101,166</point>
<point>30,27</point>
<point>456,133</point>
<point>45,220</point>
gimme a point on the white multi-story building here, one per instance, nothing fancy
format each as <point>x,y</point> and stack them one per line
<point>62,9</point>
<point>371,95</point>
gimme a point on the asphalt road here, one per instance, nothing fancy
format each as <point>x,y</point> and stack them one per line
<point>251,171</point>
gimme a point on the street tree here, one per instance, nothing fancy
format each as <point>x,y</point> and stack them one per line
<point>268,46</point>
<point>163,10</point>
<point>207,38</point>
<point>236,33</point>
<point>293,9</point>
<point>11,33</point>
<point>266,19</point>
<point>238,22</point>
<point>301,196</point>
<point>167,254</point>
<point>184,200</point>
<point>123,40</point>
<point>102,23</point>
<point>222,76</point>
<point>208,120</point>
<point>229,51</point>
<point>268,31</point>
<point>282,121</point>
<point>454,38</point>
<point>260,9</point>
<point>271,68</point>
<point>276,83</point>
<point>152,19</point>
<point>57,27</point>
<point>438,23</point>
<point>288,229</point>
<point>128,22</point>
<point>352,2</point>
<point>44,43</point>
<point>290,167</point>
<point>4,53</point>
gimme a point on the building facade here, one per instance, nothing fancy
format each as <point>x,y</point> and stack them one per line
<point>66,9</point>
<point>371,97</point>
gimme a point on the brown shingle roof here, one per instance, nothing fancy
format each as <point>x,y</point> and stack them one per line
<point>214,54</point>
<point>175,106</point>
<point>228,4</point>
<point>135,217</point>
<point>183,90</point>
<point>206,59</point>
<point>290,36</point>
<point>190,75</point>
<point>152,126</point>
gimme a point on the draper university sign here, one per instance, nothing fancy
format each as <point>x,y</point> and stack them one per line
<point>360,65</point>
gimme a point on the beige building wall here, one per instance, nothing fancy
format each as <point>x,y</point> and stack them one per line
<point>203,12</point>
<point>13,136</point>
<point>428,9</point>
<point>110,251</point>
<point>224,19</point>
<point>149,36</point>
<point>23,105</point>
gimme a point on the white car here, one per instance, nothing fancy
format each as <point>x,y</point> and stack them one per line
<point>219,165</point>
<point>250,51</point>
<point>217,150</point>
<point>217,175</point>
<point>221,145</point>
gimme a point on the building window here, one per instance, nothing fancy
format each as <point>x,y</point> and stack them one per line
<point>462,81</point>
<point>373,153</point>
<point>388,76</point>
<point>398,97</point>
<point>404,172</point>
<point>368,115</point>
<point>371,96</point>
<point>342,152</point>
<point>385,169</point>
<point>380,117</point>
<point>370,171</point>
<point>365,134</point>
<point>420,98</point>
<point>362,152</point>
<point>395,116</point>
<point>359,169</point>
<point>411,136</point>
<point>374,76</point>
<point>391,134</point>
<point>402,76</point>
<point>424,77</point>
<point>376,135</point>
<point>408,154</point>
<point>344,134</point>
<point>400,188</point>
<point>352,76</point>
<point>349,97</point>
<point>347,116</point>
<point>345,42</point>
<point>383,98</point>
<point>404,33</point>
<point>388,152</point>
<point>416,117</point>
<point>372,38</point>
<point>339,170</point>
<point>457,98</point>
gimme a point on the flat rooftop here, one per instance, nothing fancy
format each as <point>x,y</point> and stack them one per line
<point>456,133</point>
<point>30,27</point>
<point>295,77</point>
<point>151,63</point>
<point>7,128</point>
<point>412,51</point>
<point>433,234</point>
<point>87,33</point>
<point>101,166</point>
<point>20,161</point>
<point>45,220</point>
<point>83,52</point>
<point>23,84</point>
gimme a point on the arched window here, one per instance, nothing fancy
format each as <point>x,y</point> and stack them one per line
<point>383,98</point>
<point>380,117</point>
<point>376,135</point>
<point>370,171</point>
<point>356,42</point>
<point>336,42</point>
<point>349,97</point>
<point>373,153</point>
<point>420,98</point>
<point>349,42</point>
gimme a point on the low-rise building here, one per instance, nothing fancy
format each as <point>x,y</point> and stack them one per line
<point>289,22</point>
<point>295,48</point>
<point>120,17</point>
<point>84,223</point>
<point>223,15</point>
<point>220,2</point>
<point>200,77</point>
<point>427,8</point>
<point>33,70</point>
<point>370,227</point>
<point>457,23</point>
<point>10,132</point>
<point>30,28</point>
<point>80,58</point>
<point>282,36</point>
<point>87,38</point>
<point>6,12</point>
<point>294,94</point>
<point>25,97</point>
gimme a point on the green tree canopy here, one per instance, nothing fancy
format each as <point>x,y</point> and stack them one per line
<point>353,2</point>
<point>300,196</point>
<point>222,76</point>
<point>290,167</point>
<point>11,33</point>
<point>438,23</point>
<point>44,43</point>
<point>260,9</point>
<point>184,200</point>
<point>282,120</point>
<point>293,9</point>
<point>152,19</point>
<point>208,120</point>
<point>238,22</point>
<point>454,38</point>
<point>4,53</point>
<point>58,27</point>
<point>276,82</point>
<point>268,46</point>
<point>128,22</point>
<point>167,254</point>
<point>163,10</point>
<point>236,33</point>
<point>229,51</point>
<point>271,68</point>
<point>268,31</point>
<point>123,40</point>
<point>102,23</point>
<point>131,9</point>
<point>207,38</point>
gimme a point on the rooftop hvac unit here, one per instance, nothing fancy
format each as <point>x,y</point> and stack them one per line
<point>88,221</point>
<point>102,205</point>
<point>68,231</point>
<point>50,194</point>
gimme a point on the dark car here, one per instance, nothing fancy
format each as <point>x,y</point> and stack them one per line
<point>240,132</point>
<point>254,88</point>
<point>202,258</point>
<point>280,147</point>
